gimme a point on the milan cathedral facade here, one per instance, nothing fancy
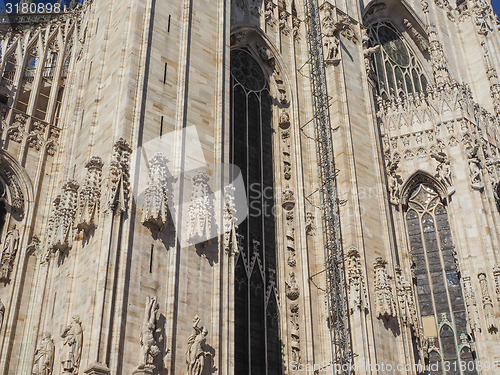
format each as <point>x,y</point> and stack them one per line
<point>162,188</point>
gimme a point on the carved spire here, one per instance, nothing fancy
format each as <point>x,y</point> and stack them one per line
<point>406,300</point>
<point>228,222</point>
<point>63,217</point>
<point>384,299</point>
<point>200,210</point>
<point>470,303</point>
<point>438,58</point>
<point>156,200</point>
<point>120,177</point>
<point>492,77</point>
<point>489,313</point>
<point>90,196</point>
<point>355,282</point>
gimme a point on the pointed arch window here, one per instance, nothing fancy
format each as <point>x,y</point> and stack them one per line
<point>398,70</point>
<point>439,291</point>
<point>257,343</point>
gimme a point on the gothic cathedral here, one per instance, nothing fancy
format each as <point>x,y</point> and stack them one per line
<point>249,187</point>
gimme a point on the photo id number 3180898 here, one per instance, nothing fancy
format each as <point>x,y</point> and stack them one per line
<point>26,8</point>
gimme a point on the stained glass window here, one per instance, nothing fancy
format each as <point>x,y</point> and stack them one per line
<point>439,291</point>
<point>398,71</point>
<point>257,343</point>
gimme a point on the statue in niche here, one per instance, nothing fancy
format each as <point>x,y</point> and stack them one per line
<point>8,253</point>
<point>331,39</point>
<point>195,354</point>
<point>474,169</point>
<point>73,338</point>
<point>149,347</point>
<point>43,363</point>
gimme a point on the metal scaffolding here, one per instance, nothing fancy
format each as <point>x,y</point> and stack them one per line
<point>338,320</point>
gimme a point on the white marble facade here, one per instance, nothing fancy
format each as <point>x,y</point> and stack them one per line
<point>102,271</point>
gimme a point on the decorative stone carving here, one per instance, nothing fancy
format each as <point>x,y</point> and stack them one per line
<point>282,96</point>
<point>284,120</point>
<point>296,28</point>
<point>73,340</point>
<point>394,190</point>
<point>356,288</point>
<point>200,210</point>
<point>265,54</point>
<point>283,22</point>
<point>63,217</point>
<point>155,211</point>
<point>492,74</point>
<point>310,226</point>
<point>149,347</point>
<point>470,303</point>
<point>489,313</point>
<point>16,131</point>
<point>406,300</point>
<point>43,362</point>
<point>438,58</point>
<point>419,40</point>
<point>331,41</point>
<point>480,10</point>
<point>9,250</point>
<point>474,166</point>
<point>496,276</point>
<point>195,354</point>
<point>2,314</point>
<point>287,166</point>
<point>367,53</point>
<point>292,288</point>
<point>385,305</point>
<point>288,200</point>
<point>295,334</point>
<point>119,176</point>
<point>230,239</point>
<point>269,13</point>
<point>90,196</point>
<point>443,169</point>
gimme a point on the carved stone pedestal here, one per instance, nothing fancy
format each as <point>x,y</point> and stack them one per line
<point>143,371</point>
<point>97,368</point>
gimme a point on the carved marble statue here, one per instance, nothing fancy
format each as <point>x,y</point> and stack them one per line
<point>195,354</point>
<point>9,250</point>
<point>43,362</point>
<point>443,169</point>
<point>474,169</point>
<point>149,347</point>
<point>73,338</point>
